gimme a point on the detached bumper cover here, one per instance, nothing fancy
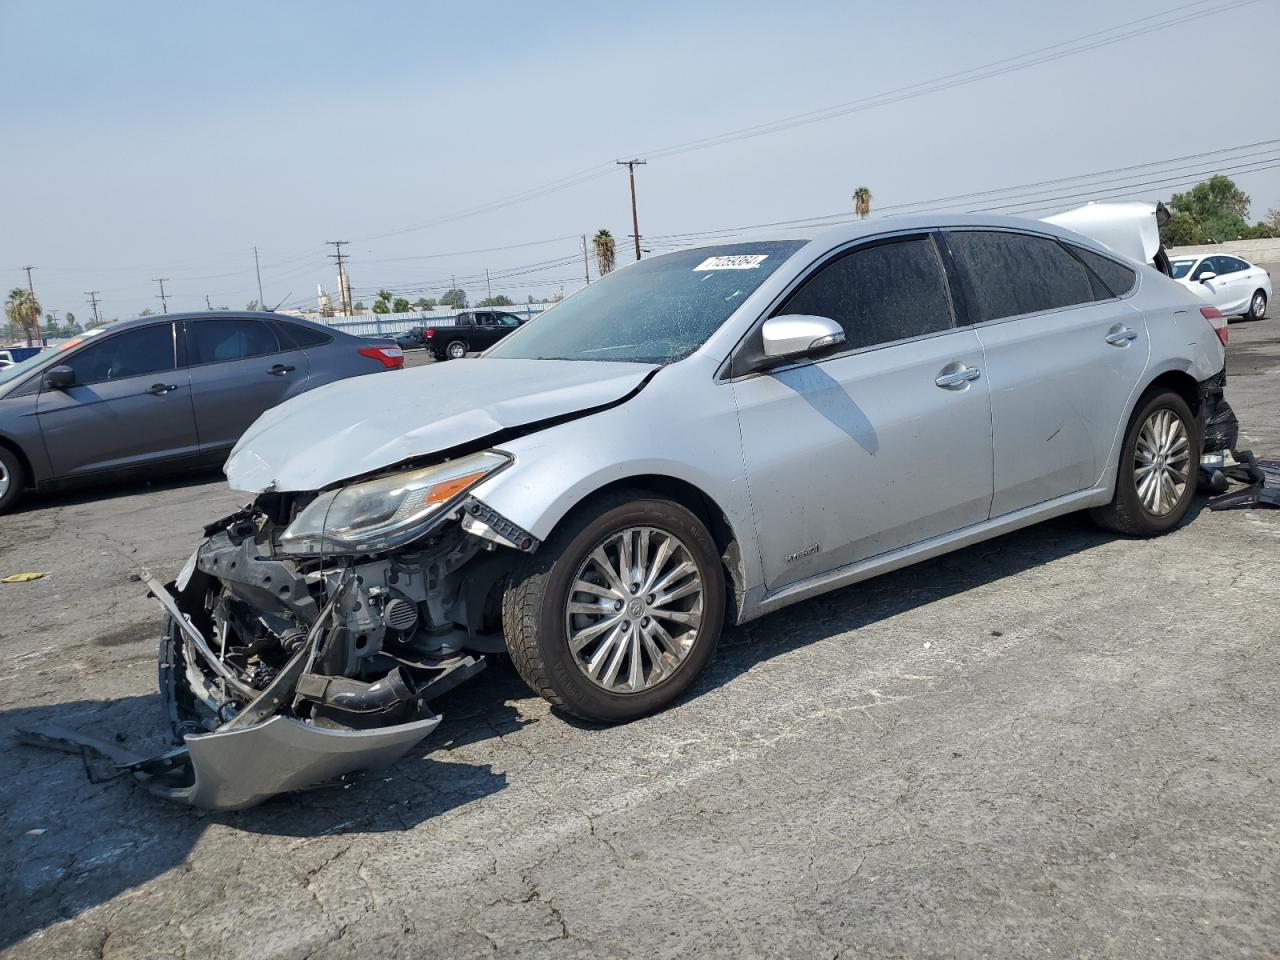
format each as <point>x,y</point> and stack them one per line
<point>240,768</point>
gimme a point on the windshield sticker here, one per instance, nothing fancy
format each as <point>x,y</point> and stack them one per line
<point>744,261</point>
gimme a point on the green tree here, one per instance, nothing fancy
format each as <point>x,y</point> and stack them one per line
<point>455,298</point>
<point>605,250</point>
<point>424,303</point>
<point>380,306</point>
<point>1272,220</point>
<point>252,305</point>
<point>498,301</point>
<point>1216,209</point>
<point>23,311</point>
<point>146,312</point>
<point>401,305</point>
<point>862,202</point>
<point>358,306</point>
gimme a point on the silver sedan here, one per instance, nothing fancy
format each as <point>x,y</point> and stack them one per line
<point>699,438</point>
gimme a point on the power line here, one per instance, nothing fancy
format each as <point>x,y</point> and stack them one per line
<point>1091,41</point>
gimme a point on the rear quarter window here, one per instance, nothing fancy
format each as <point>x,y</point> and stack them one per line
<point>304,336</point>
<point>1118,278</point>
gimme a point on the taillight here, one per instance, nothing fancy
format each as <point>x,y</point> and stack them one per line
<point>431,332</point>
<point>1217,321</point>
<point>389,357</point>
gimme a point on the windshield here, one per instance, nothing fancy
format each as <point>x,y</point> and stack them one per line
<point>1181,268</point>
<point>654,311</point>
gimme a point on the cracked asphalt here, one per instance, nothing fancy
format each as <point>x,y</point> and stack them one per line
<point>1058,743</point>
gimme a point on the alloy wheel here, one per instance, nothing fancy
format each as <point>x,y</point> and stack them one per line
<point>1259,306</point>
<point>1162,462</point>
<point>5,480</point>
<point>634,609</point>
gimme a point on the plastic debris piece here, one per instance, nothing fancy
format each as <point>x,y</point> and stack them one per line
<point>21,577</point>
<point>36,833</point>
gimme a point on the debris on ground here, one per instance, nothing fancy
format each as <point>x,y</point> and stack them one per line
<point>1262,479</point>
<point>22,577</point>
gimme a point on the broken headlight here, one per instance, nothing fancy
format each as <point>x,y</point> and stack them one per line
<point>388,512</point>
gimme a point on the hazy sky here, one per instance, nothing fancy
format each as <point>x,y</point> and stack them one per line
<point>143,140</point>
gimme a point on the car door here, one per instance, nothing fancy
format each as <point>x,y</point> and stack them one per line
<point>882,444</point>
<point>1235,283</point>
<point>239,368</point>
<point>1207,284</point>
<point>130,404</point>
<point>1064,353</point>
<point>488,330</point>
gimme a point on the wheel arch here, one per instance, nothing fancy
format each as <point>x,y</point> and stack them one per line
<point>25,461</point>
<point>702,505</point>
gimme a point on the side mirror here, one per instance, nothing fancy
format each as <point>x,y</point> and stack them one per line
<point>60,377</point>
<point>1207,276</point>
<point>795,335</point>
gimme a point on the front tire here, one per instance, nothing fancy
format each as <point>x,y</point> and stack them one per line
<point>1156,477</point>
<point>619,611</point>
<point>13,478</point>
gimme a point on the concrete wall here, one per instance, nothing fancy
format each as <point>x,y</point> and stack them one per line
<point>1255,251</point>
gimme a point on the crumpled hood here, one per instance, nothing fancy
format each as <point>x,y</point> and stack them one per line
<point>355,426</point>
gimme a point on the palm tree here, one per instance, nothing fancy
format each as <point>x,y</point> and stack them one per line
<point>385,297</point>
<point>23,311</point>
<point>862,202</point>
<point>602,243</point>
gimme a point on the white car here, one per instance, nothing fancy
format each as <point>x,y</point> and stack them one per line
<point>1236,287</point>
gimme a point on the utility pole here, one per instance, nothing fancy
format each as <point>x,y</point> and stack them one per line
<point>586,265</point>
<point>207,303</point>
<point>164,301</point>
<point>35,316</point>
<point>93,302</point>
<point>342,273</point>
<point>635,220</point>
<point>487,283</point>
<point>258,270</point>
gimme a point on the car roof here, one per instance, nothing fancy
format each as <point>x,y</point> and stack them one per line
<point>213,314</point>
<point>840,234</point>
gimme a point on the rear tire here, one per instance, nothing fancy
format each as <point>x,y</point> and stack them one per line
<point>1257,306</point>
<point>1159,462</point>
<point>13,479</point>
<point>456,350</point>
<point>544,601</point>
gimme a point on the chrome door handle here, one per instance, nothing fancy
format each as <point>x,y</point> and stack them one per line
<point>955,375</point>
<point>1120,336</point>
<point>280,369</point>
<point>160,389</point>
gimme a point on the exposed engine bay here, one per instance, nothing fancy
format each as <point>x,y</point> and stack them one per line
<point>284,665</point>
<point>340,654</point>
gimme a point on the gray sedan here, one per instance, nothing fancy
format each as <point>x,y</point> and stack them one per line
<point>172,391</point>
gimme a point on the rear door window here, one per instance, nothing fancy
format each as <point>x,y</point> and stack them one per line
<point>131,353</point>
<point>1009,274</point>
<point>879,294</point>
<point>217,341</point>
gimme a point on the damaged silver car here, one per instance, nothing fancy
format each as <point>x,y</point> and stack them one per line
<point>701,437</point>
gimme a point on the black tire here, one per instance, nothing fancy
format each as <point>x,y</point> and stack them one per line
<point>534,607</point>
<point>12,469</point>
<point>1257,305</point>
<point>456,350</point>
<point>1126,512</point>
